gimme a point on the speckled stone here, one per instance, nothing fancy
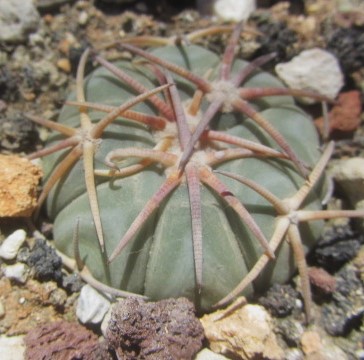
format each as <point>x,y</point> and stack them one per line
<point>17,19</point>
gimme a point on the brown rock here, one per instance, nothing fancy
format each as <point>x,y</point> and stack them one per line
<point>63,340</point>
<point>19,179</point>
<point>167,329</point>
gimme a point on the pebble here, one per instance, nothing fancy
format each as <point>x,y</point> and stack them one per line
<point>345,115</point>
<point>17,272</point>
<point>342,314</point>
<point>294,354</point>
<point>19,180</point>
<point>280,300</point>
<point>17,19</point>
<point>207,354</point>
<point>12,348</point>
<point>232,10</point>
<point>317,346</point>
<point>45,262</point>
<point>349,174</point>
<point>91,306</point>
<point>106,319</point>
<point>83,18</point>
<point>2,310</point>
<point>11,245</point>
<point>291,331</point>
<point>315,70</point>
<point>246,333</point>
<point>64,64</point>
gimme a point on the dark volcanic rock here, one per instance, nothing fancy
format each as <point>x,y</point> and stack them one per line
<point>348,46</point>
<point>337,246</point>
<point>346,310</point>
<point>280,300</point>
<point>45,261</point>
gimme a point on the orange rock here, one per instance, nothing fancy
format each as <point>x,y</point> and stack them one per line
<point>64,64</point>
<point>19,179</point>
<point>311,342</point>
<point>345,115</point>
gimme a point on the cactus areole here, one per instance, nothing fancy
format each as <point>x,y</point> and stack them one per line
<point>172,223</point>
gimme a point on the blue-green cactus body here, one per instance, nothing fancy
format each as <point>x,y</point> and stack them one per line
<point>159,261</point>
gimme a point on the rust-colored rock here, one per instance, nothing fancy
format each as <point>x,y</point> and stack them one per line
<point>167,329</point>
<point>322,280</point>
<point>63,340</point>
<point>345,115</point>
<point>19,179</point>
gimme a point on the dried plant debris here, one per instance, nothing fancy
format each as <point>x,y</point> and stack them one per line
<point>167,329</point>
<point>63,340</point>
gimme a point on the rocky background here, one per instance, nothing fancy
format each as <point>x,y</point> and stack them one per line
<point>48,313</point>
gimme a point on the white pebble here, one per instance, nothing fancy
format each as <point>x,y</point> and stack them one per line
<point>232,10</point>
<point>17,272</point>
<point>349,174</point>
<point>316,70</point>
<point>83,18</point>
<point>91,306</point>
<point>11,245</point>
<point>12,348</point>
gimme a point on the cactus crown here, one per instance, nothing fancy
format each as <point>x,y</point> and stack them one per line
<point>193,192</point>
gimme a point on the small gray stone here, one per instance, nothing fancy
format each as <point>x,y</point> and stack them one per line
<point>294,354</point>
<point>17,19</point>
<point>291,331</point>
<point>17,272</point>
<point>315,70</point>
<point>11,245</point>
<point>91,306</point>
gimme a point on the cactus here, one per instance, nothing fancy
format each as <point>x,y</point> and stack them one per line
<point>194,191</point>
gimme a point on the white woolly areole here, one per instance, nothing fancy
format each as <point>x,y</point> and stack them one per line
<point>225,91</point>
